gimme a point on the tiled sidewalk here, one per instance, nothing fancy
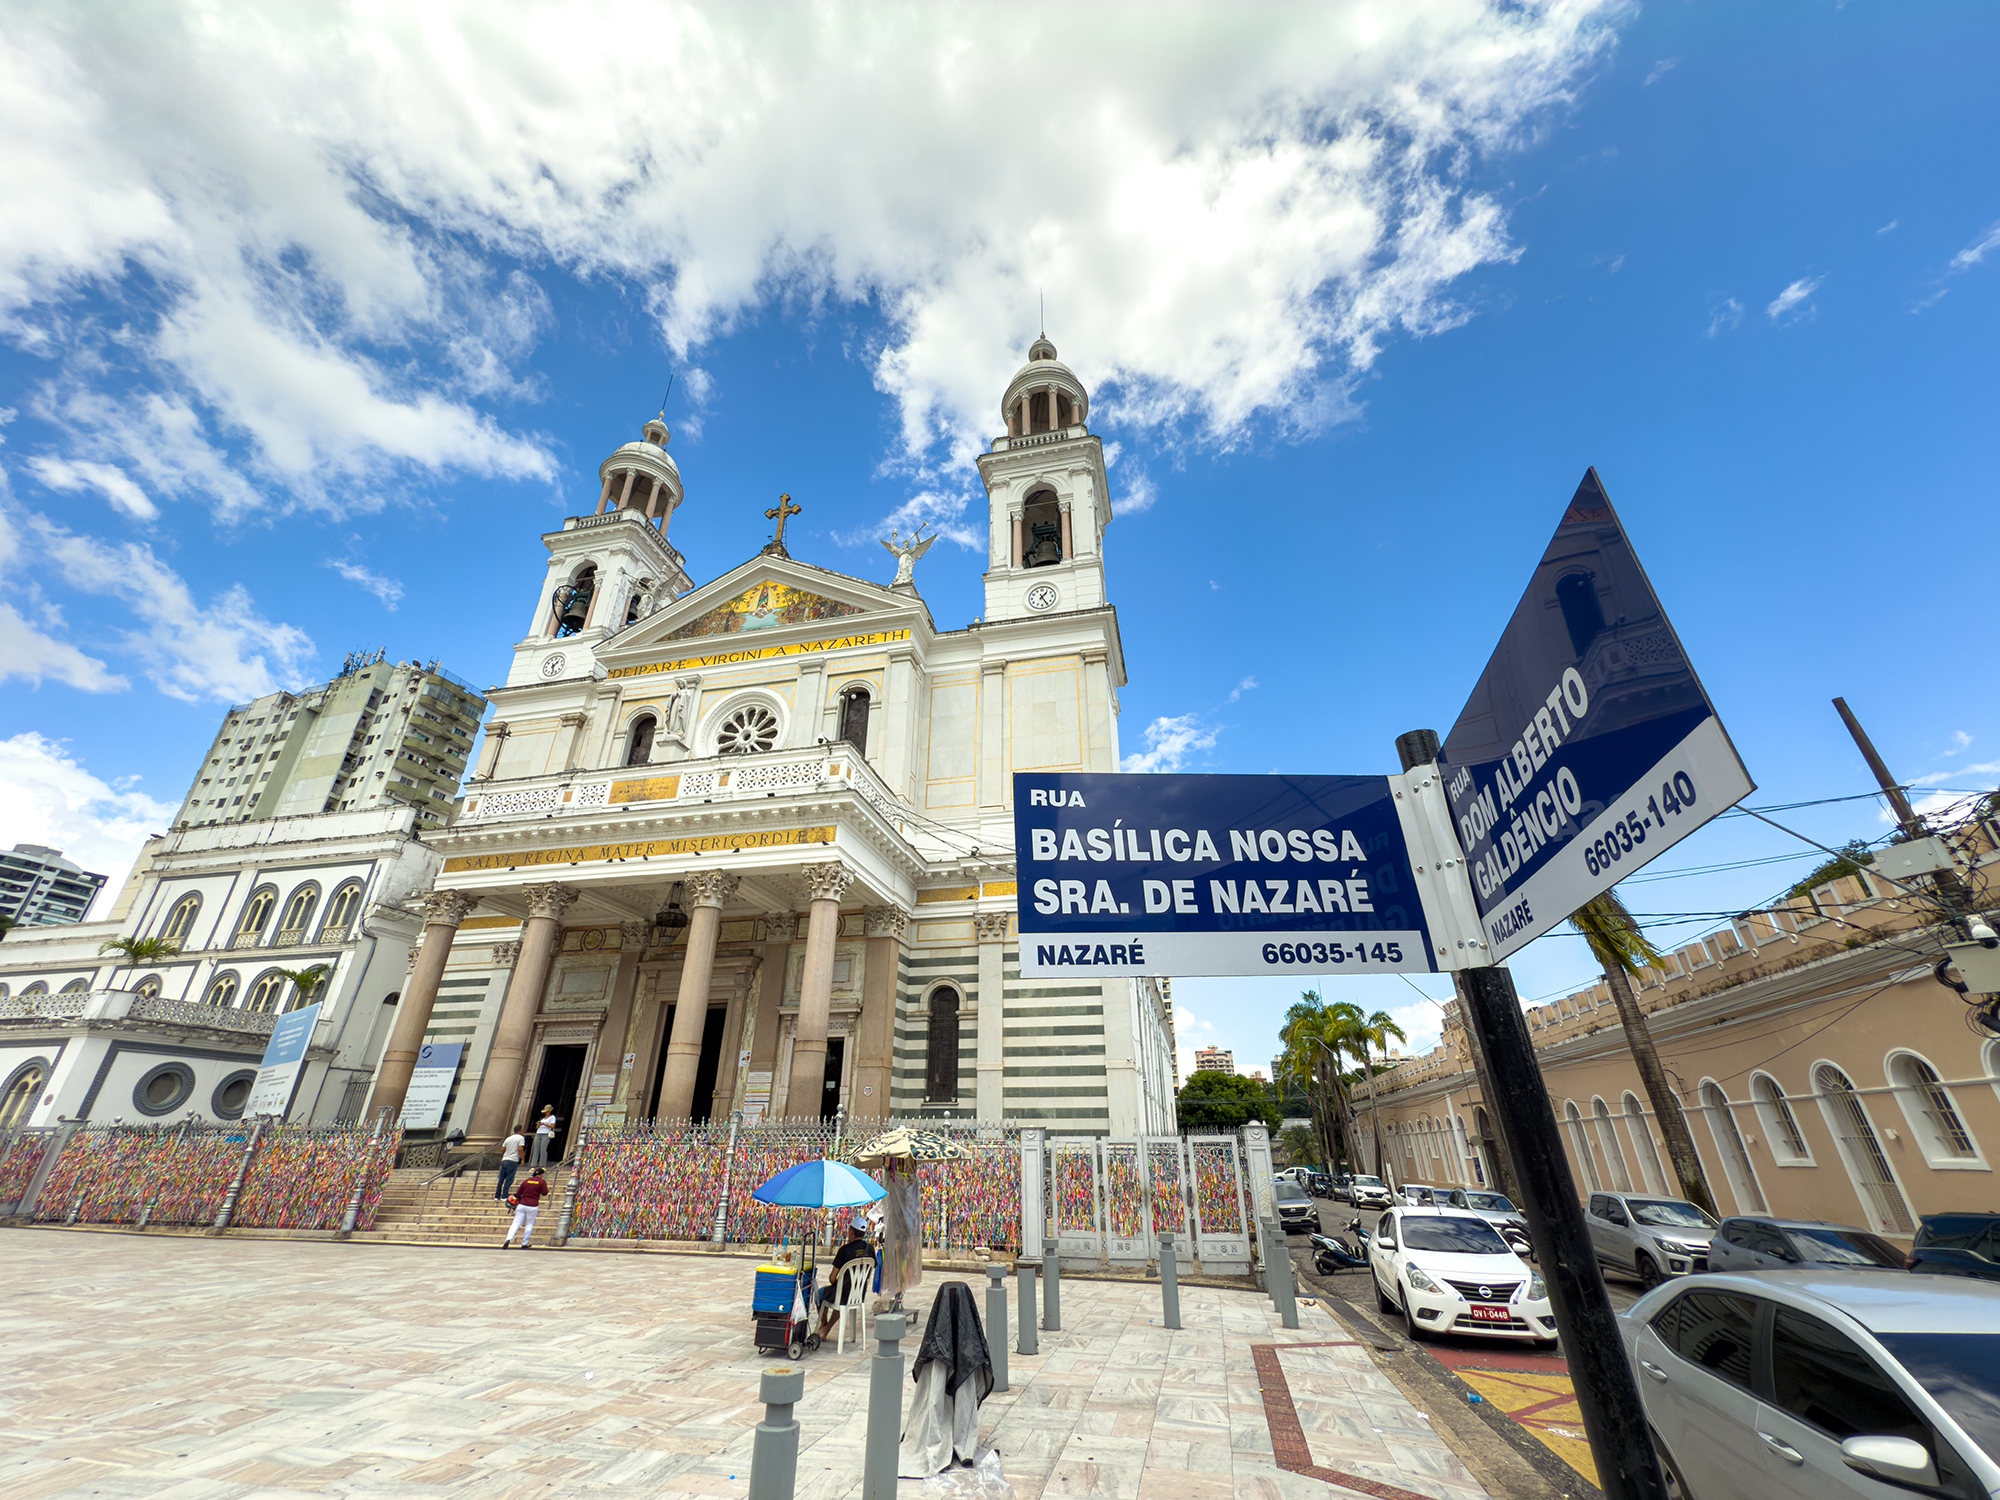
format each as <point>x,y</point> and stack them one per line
<point>196,1369</point>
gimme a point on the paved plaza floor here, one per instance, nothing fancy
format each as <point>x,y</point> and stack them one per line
<point>186,1368</point>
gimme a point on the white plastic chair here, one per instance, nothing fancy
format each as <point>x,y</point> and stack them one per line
<point>850,1298</point>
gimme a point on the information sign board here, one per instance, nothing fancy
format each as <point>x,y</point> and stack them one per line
<point>1173,875</point>
<point>284,1059</point>
<point>1588,747</point>
<point>430,1085</point>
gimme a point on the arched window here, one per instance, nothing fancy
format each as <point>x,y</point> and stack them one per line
<point>1041,530</point>
<point>1932,1113</point>
<point>941,1048</point>
<point>221,991</point>
<point>255,914</point>
<point>148,988</point>
<point>1607,1140</point>
<point>748,729</point>
<point>572,601</point>
<point>1861,1152</point>
<point>1486,1147</point>
<point>854,705</point>
<point>77,987</point>
<point>298,914</point>
<point>180,921</point>
<point>340,913</point>
<point>37,988</point>
<point>1579,1142</point>
<point>1729,1145</point>
<point>639,744</point>
<point>17,1099</point>
<point>1781,1126</point>
<point>1642,1144</point>
<point>4,992</point>
<point>266,993</point>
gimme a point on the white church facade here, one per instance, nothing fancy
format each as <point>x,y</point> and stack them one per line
<point>748,846</point>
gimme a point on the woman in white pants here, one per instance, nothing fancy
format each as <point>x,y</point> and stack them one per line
<point>527,1201</point>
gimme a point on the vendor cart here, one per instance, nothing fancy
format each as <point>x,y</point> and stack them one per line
<point>782,1307</point>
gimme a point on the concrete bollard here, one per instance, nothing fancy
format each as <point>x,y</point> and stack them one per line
<point>1283,1292</point>
<point>774,1451</point>
<point>996,1323</point>
<point>1024,1269</point>
<point>1170,1283</point>
<point>885,1409</point>
<point>1052,1291</point>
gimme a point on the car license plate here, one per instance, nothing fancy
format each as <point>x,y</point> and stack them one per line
<point>1491,1315</point>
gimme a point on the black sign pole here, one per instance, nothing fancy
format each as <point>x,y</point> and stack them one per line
<point>1606,1393</point>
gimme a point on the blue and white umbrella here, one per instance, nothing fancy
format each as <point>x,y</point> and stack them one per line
<point>819,1184</point>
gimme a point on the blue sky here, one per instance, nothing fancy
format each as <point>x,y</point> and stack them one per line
<point>310,332</point>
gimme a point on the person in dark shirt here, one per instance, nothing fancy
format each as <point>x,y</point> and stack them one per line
<point>527,1201</point>
<point>856,1248</point>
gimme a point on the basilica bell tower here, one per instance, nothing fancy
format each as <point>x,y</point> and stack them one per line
<point>1048,499</point>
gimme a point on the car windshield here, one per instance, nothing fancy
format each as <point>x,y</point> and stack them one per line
<point>1845,1247</point>
<point>1367,1181</point>
<point>1962,1370</point>
<point>1492,1203</point>
<point>1669,1213</point>
<point>1456,1235</point>
<point>1291,1192</point>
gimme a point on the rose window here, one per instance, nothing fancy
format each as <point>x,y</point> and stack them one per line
<point>747,731</point>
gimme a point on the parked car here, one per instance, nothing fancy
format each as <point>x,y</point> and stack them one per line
<point>1820,1383</point>
<point>1958,1245</point>
<point>1368,1192</point>
<point>1651,1238</point>
<point>1292,1174</point>
<point>1451,1272</point>
<point>1421,1195</point>
<point>1496,1209</point>
<point>1320,1185</point>
<point>1297,1213</point>
<point>1757,1242</point>
<point>1343,1185</point>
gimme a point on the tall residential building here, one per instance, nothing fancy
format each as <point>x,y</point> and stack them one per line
<point>1214,1060</point>
<point>379,734</point>
<point>39,888</point>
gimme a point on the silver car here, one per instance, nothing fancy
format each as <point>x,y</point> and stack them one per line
<point>1646,1236</point>
<point>1820,1384</point>
<point>1758,1242</point>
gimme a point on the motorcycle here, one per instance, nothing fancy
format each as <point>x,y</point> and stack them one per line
<point>1331,1254</point>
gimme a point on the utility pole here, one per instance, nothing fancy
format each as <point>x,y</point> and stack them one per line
<point>1951,890</point>
<point>1607,1395</point>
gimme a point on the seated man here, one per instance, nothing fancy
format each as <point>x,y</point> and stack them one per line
<point>856,1248</point>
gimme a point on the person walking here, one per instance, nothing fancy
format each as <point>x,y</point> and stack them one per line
<point>510,1162</point>
<point>527,1201</point>
<point>545,1135</point>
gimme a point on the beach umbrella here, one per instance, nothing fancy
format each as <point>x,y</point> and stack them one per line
<point>910,1146</point>
<point>819,1184</point>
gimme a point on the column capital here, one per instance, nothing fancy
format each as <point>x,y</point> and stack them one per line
<point>828,881</point>
<point>496,726</point>
<point>634,934</point>
<point>446,908</point>
<point>572,720</point>
<point>710,887</point>
<point>991,926</point>
<point>550,900</point>
<point>507,953</point>
<point>776,929</point>
<point>887,921</point>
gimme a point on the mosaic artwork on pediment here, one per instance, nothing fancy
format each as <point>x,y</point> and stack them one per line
<point>765,606</point>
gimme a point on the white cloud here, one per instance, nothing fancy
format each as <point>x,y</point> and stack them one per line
<point>1169,744</point>
<point>1975,252</point>
<point>1660,70</point>
<point>335,229</point>
<point>48,797</point>
<point>1890,227</point>
<point>388,590</point>
<point>1960,741</point>
<point>1959,774</point>
<point>27,651</point>
<point>70,476</point>
<point>1787,302</point>
<point>218,647</point>
<point>1726,316</point>
<point>1248,684</point>
<point>1139,494</point>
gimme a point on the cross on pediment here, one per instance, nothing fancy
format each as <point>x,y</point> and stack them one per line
<point>783,511</point>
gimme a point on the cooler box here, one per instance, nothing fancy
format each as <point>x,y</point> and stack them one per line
<point>777,1286</point>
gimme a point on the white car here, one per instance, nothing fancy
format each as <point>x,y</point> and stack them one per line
<point>1821,1384</point>
<point>1368,1192</point>
<point>1449,1272</point>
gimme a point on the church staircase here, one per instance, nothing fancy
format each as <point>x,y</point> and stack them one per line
<point>419,1209</point>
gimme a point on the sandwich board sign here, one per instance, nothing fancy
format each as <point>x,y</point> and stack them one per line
<point>284,1058</point>
<point>1173,875</point>
<point>1588,747</point>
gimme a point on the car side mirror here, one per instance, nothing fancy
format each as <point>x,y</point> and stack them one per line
<point>1617,1216</point>
<point>1899,1460</point>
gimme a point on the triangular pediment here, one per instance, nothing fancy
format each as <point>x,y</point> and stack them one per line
<point>766,598</point>
<point>768,604</point>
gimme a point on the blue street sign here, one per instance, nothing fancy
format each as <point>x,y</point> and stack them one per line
<point>284,1058</point>
<point>1173,875</point>
<point>1588,747</point>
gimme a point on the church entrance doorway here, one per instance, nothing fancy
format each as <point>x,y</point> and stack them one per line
<point>836,1054</point>
<point>706,1069</point>
<point>562,1072</point>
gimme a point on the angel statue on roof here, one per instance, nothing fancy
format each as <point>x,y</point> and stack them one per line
<point>906,552</point>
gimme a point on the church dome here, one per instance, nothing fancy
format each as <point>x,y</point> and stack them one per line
<point>1044,375</point>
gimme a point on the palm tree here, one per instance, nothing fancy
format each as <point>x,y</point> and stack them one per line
<point>1375,1032</point>
<point>1622,950</point>
<point>1316,1036</point>
<point>138,951</point>
<point>305,983</point>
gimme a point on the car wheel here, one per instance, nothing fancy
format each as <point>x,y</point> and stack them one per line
<point>1417,1332</point>
<point>1382,1302</point>
<point>1670,1472</point>
<point>1649,1271</point>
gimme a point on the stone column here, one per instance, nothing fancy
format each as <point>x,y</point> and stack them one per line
<point>625,495</point>
<point>574,723</point>
<point>708,891</point>
<point>443,911</point>
<point>826,883</point>
<point>499,1088</point>
<point>653,499</point>
<point>875,1037</point>
<point>618,1017</point>
<point>1018,523</point>
<point>776,936</point>
<point>723,1099</point>
<point>1068,538</point>
<point>1027,411</point>
<point>605,498</point>
<point>991,926</point>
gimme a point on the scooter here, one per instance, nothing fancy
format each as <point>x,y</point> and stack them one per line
<point>1331,1254</point>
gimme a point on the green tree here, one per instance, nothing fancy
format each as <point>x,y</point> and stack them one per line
<point>1223,1101</point>
<point>1317,1035</point>
<point>305,984</point>
<point>1623,950</point>
<point>1375,1032</point>
<point>1300,1146</point>
<point>138,951</point>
